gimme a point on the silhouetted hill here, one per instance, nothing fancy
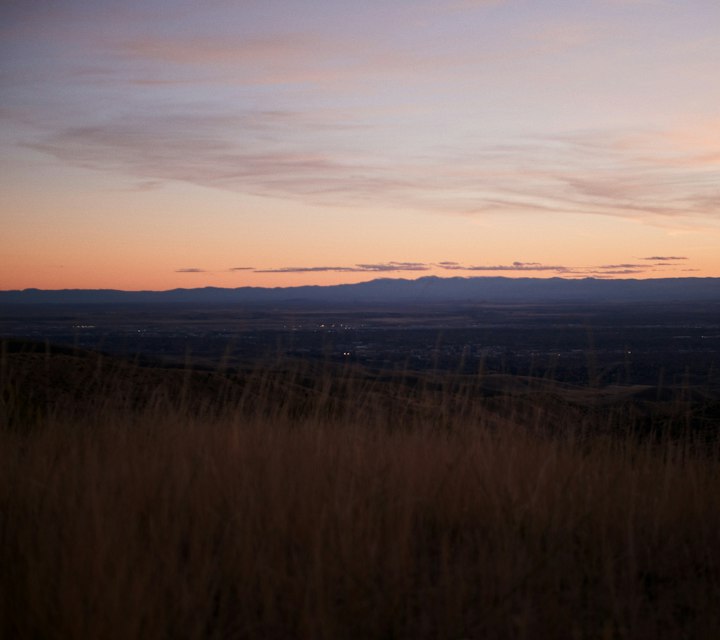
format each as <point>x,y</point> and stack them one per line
<point>427,289</point>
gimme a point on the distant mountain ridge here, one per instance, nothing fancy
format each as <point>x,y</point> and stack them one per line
<point>397,290</point>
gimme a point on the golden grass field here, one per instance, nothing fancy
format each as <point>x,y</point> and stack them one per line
<point>296,501</point>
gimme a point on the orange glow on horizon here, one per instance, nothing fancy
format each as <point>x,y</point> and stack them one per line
<point>66,279</point>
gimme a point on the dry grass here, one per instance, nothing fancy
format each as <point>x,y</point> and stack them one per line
<point>296,512</point>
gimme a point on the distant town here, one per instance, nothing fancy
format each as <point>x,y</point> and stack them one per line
<point>598,344</point>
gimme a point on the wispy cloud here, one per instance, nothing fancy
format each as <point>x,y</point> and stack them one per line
<point>286,154</point>
<point>665,258</point>
<point>308,270</point>
<point>395,266</point>
<point>268,59</point>
<point>625,265</point>
<point>515,266</point>
<point>615,272</point>
<point>596,271</point>
<point>358,268</point>
<point>605,270</point>
<point>323,60</point>
<point>199,270</point>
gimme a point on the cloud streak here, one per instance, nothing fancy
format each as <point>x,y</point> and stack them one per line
<point>515,266</point>
<point>665,258</point>
<point>605,270</point>
<point>282,154</point>
<point>358,268</point>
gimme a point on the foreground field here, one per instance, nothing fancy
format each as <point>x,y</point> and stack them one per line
<point>312,505</point>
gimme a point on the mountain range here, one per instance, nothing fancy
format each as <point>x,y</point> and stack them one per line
<point>391,290</point>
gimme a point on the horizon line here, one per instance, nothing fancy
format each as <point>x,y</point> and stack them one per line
<point>352,284</point>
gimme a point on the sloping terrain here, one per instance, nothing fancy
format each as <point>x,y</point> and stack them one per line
<point>39,380</point>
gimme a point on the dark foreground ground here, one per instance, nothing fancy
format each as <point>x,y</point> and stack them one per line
<point>213,491</point>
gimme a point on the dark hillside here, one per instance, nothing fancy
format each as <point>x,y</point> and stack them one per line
<point>40,379</point>
<point>308,500</point>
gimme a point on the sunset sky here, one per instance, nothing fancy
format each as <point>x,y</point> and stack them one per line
<point>149,144</point>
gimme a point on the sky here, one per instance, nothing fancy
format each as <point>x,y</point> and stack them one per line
<point>150,144</point>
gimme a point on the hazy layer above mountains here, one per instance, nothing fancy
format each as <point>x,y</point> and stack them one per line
<point>387,290</point>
